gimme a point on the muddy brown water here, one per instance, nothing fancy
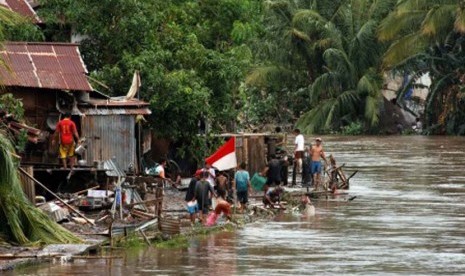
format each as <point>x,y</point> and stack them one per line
<point>408,218</point>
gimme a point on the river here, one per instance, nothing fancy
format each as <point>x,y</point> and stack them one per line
<point>407,218</point>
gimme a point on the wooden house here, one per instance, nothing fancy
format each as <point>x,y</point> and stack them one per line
<point>50,79</point>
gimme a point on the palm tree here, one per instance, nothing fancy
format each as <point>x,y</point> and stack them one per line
<point>416,24</point>
<point>327,54</point>
<point>429,36</point>
<point>284,68</point>
<point>349,88</point>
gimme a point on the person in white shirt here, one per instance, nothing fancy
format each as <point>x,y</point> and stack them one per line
<point>299,149</point>
<point>211,180</point>
<point>211,174</point>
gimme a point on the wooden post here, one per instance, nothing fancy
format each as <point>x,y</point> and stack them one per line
<point>28,185</point>
<point>159,205</point>
<point>245,152</point>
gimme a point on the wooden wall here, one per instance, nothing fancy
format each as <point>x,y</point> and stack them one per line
<point>252,151</point>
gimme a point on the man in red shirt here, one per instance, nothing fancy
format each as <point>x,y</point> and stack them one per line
<point>66,129</point>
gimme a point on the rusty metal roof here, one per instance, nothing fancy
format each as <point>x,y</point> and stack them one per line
<point>44,65</point>
<point>23,8</point>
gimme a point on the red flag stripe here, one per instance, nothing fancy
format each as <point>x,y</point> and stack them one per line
<point>225,149</point>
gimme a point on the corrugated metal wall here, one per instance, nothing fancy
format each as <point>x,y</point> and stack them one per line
<point>110,136</point>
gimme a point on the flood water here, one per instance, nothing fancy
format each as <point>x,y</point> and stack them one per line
<point>408,218</point>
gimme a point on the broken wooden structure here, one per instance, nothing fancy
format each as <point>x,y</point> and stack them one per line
<point>337,179</point>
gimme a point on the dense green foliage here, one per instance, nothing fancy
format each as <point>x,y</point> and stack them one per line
<point>429,37</point>
<point>190,54</point>
<point>319,64</point>
<point>328,57</point>
<point>15,28</point>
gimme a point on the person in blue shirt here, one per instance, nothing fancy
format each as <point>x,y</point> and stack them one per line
<point>242,181</point>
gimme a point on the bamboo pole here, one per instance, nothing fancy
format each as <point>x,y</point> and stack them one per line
<point>83,191</point>
<point>56,196</point>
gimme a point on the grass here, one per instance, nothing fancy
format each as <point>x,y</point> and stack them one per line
<point>178,241</point>
<point>134,240</point>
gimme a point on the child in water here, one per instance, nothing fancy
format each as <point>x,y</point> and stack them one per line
<point>222,206</point>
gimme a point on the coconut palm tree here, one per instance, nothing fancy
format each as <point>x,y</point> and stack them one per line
<point>416,24</point>
<point>327,54</point>
<point>429,36</point>
<point>349,88</point>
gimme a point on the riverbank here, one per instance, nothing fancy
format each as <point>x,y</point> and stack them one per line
<point>95,244</point>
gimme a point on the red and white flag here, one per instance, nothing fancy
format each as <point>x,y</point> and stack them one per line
<point>225,157</point>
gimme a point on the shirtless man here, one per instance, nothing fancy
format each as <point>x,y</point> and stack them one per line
<point>316,153</point>
<point>222,183</point>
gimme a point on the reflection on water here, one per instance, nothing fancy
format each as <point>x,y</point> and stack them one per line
<point>407,219</point>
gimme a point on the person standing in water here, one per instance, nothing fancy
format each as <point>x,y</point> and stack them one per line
<point>316,153</point>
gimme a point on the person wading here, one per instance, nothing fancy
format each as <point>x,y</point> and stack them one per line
<point>316,153</point>
<point>66,129</point>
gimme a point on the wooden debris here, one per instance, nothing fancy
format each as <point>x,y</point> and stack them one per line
<point>83,191</point>
<point>56,196</point>
<point>145,237</point>
<point>142,214</point>
<point>156,200</point>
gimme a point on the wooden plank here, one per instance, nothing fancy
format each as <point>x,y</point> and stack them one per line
<point>145,237</point>
<point>142,214</point>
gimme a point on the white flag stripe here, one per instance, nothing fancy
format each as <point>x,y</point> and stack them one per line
<point>229,161</point>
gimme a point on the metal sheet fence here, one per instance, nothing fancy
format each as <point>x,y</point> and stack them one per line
<point>111,136</point>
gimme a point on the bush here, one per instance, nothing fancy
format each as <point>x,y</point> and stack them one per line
<point>354,128</point>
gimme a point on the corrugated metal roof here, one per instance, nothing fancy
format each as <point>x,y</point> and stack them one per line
<point>114,102</point>
<point>23,8</point>
<point>44,65</point>
<point>114,106</point>
<point>114,111</point>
